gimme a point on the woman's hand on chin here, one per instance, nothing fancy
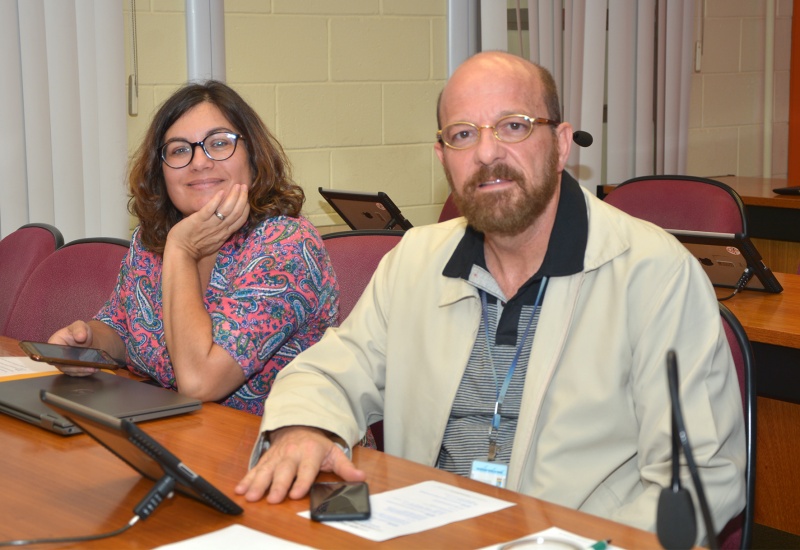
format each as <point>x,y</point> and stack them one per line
<point>203,233</point>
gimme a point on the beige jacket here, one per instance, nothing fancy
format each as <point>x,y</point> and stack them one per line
<point>594,426</point>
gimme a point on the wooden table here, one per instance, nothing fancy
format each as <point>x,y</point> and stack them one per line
<point>774,220</point>
<point>758,191</point>
<point>767,317</point>
<point>54,485</point>
<point>772,322</point>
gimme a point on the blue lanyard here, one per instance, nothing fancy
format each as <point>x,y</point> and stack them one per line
<point>501,391</point>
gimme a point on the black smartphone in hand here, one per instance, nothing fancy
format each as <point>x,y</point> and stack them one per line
<point>68,355</point>
<point>339,500</point>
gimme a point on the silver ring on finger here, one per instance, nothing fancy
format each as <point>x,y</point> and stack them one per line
<point>220,216</point>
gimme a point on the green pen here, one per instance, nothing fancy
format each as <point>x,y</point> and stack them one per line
<point>600,545</point>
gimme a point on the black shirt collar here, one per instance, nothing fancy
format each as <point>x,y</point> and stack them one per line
<point>565,250</point>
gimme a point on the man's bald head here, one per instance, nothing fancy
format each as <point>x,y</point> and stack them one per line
<point>498,65</point>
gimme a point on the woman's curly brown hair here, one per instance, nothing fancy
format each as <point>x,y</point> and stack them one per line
<point>272,192</point>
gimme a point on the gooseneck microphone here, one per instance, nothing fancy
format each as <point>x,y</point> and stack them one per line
<point>584,139</point>
<point>676,525</point>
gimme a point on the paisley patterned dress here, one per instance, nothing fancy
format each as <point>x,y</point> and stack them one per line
<point>271,295</point>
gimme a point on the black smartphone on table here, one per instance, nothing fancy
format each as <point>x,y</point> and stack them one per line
<point>68,355</point>
<point>339,500</point>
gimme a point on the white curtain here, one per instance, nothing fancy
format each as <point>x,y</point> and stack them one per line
<point>628,85</point>
<point>64,144</point>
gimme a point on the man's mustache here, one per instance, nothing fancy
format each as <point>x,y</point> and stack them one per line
<point>493,173</point>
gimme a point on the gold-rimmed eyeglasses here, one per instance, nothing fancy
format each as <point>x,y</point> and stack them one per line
<point>178,153</point>
<point>509,129</point>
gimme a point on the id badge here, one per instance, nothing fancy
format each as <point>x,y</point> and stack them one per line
<point>493,473</point>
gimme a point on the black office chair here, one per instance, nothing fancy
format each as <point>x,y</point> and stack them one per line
<point>738,533</point>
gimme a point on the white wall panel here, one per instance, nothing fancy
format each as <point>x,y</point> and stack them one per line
<point>65,116</point>
<point>622,51</point>
<point>13,191</point>
<point>494,25</point>
<point>644,146</point>
<point>36,108</point>
<point>592,91</point>
<point>103,94</point>
<point>205,39</point>
<point>64,88</point>
<point>463,32</point>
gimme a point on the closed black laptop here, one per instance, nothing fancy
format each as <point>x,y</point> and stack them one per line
<point>114,395</point>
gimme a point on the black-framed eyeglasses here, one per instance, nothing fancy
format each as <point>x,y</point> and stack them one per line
<point>509,129</point>
<point>178,153</point>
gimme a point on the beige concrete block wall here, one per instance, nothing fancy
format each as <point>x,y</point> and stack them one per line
<point>726,121</point>
<point>349,88</point>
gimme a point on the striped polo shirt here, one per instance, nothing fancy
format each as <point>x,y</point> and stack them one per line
<point>466,436</point>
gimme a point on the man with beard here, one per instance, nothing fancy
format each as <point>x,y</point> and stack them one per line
<point>523,344</point>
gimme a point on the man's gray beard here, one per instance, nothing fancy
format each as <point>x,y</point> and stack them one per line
<point>508,212</point>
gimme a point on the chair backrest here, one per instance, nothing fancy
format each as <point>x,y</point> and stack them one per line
<point>449,210</point>
<point>355,255</point>
<point>20,253</point>
<point>682,202</point>
<point>71,283</point>
<point>738,533</point>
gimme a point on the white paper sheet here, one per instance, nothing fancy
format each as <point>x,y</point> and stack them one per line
<point>418,508</point>
<point>555,534</point>
<point>23,367</point>
<point>233,536</point>
<point>394,513</point>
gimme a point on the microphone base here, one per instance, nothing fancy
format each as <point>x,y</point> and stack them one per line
<point>676,524</point>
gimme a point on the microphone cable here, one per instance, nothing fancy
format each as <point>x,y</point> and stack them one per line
<point>678,422</point>
<point>26,542</point>
<point>164,488</point>
<point>747,274</point>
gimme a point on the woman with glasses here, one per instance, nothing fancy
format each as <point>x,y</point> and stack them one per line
<point>225,281</point>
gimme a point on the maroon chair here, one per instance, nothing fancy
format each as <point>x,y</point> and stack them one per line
<point>355,255</point>
<point>738,533</point>
<point>682,202</point>
<point>71,283</point>
<point>20,253</point>
<point>702,204</point>
<point>449,210</point>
